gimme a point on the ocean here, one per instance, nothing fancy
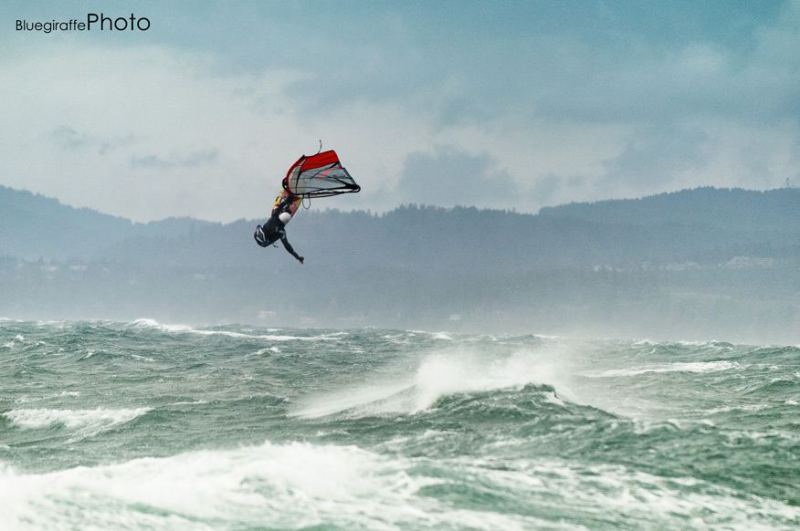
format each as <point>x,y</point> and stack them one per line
<point>143,425</point>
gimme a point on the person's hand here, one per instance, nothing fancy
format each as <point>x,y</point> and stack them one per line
<point>301,259</point>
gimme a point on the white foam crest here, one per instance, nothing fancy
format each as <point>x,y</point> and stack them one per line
<point>268,337</point>
<point>400,339</point>
<point>293,485</point>
<point>17,339</point>
<point>750,408</point>
<point>691,367</point>
<point>85,422</point>
<point>302,485</point>
<point>717,343</point>
<point>189,403</point>
<point>462,372</point>
<point>644,342</point>
<point>265,351</point>
<point>682,342</point>
<point>186,329</point>
<point>443,373</point>
<point>636,498</point>
<point>146,322</point>
<point>57,323</point>
<point>152,323</point>
<point>375,398</point>
<point>445,336</point>
<point>62,394</point>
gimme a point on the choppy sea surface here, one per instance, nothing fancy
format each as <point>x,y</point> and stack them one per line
<point>145,425</point>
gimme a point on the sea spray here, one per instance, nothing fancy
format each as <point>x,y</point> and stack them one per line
<point>174,426</point>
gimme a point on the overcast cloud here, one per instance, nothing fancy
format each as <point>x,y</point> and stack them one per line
<point>505,105</point>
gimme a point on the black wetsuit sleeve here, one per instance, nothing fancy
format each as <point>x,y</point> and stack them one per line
<point>289,248</point>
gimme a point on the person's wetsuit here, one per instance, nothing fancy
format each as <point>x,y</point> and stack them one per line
<point>274,229</point>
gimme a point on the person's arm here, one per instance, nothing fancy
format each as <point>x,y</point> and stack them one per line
<point>289,248</point>
<point>286,203</point>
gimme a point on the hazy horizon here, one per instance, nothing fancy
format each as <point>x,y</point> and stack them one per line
<point>321,205</point>
<point>694,264</point>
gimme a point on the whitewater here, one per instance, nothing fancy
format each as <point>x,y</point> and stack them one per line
<point>144,425</point>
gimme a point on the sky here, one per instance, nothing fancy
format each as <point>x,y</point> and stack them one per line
<point>512,105</point>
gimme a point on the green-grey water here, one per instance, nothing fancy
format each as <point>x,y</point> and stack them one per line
<point>148,426</point>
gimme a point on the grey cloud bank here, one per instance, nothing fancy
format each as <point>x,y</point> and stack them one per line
<point>517,105</point>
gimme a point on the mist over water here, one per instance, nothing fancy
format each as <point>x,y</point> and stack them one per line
<point>146,425</point>
<point>694,264</point>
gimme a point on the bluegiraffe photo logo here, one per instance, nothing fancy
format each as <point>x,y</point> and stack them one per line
<point>92,22</point>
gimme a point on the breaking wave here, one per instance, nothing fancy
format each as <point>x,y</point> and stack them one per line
<point>84,422</point>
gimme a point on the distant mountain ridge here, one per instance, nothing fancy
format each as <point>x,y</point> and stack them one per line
<point>34,226</point>
<point>728,208</point>
<point>692,264</point>
<point>690,225</point>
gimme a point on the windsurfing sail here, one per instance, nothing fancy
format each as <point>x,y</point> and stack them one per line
<point>320,175</point>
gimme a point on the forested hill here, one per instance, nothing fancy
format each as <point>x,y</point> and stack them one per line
<point>693,264</point>
<point>730,209</point>
<point>33,226</point>
<point>704,225</point>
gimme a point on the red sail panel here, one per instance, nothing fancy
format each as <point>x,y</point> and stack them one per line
<point>320,159</point>
<point>319,175</point>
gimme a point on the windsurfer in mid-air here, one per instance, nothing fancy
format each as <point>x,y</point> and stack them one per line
<point>320,175</point>
<point>274,229</point>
